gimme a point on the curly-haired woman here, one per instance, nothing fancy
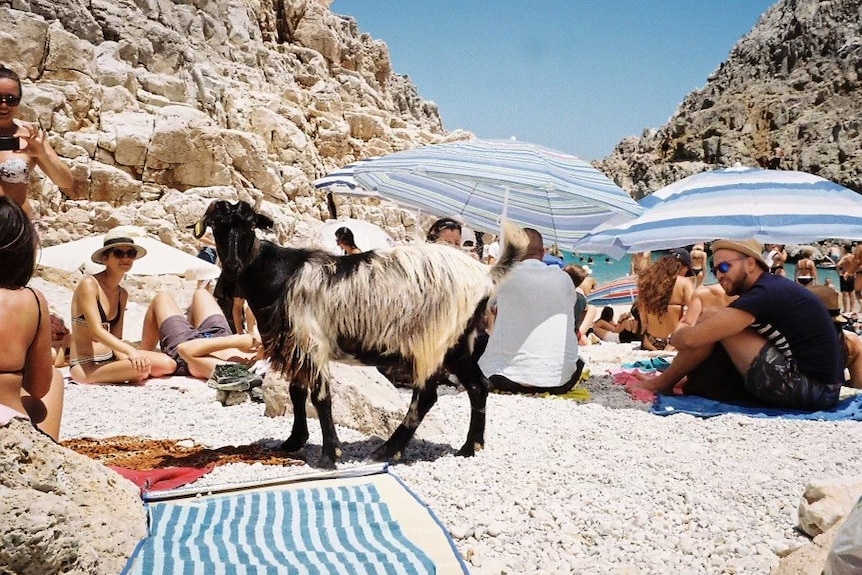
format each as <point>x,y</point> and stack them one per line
<point>663,294</point>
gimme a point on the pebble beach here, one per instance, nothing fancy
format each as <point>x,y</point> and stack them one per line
<point>600,486</point>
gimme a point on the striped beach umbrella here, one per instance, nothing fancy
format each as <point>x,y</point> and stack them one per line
<point>619,291</point>
<point>342,182</point>
<point>771,206</point>
<point>482,181</point>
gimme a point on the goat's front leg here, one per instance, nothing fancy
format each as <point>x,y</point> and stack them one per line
<point>474,381</point>
<point>299,433</point>
<point>423,399</point>
<point>322,401</point>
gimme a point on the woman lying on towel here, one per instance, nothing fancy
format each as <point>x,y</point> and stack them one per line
<point>98,352</point>
<point>30,387</point>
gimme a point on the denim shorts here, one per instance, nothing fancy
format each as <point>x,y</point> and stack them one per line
<point>777,381</point>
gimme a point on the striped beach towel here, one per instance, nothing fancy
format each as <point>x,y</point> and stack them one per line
<point>319,530</point>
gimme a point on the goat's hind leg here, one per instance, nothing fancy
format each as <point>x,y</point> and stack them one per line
<point>422,401</point>
<point>474,381</point>
<point>299,432</point>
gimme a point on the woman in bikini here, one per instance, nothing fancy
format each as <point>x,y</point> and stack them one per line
<point>23,144</point>
<point>30,387</point>
<point>806,269</point>
<point>698,264</point>
<point>663,295</point>
<point>626,330</point>
<point>99,354</point>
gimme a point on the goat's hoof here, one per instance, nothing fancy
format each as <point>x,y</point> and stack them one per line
<point>382,454</point>
<point>292,445</point>
<point>469,449</point>
<point>325,463</point>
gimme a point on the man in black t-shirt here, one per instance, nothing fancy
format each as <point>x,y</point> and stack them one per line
<point>777,335</point>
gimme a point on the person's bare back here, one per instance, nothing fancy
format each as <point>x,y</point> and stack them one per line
<point>704,298</point>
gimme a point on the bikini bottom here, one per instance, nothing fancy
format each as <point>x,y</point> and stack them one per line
<point>657,342</point>
<point>106,357</point>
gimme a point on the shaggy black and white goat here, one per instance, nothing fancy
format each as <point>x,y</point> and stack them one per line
<point>416,305</point>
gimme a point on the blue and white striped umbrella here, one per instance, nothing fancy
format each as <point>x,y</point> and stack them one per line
<point>342,182</point>
<point>482,181</point>
<point>771,206</point>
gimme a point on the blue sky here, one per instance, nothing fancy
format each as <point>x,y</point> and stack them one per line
<point>575,75</point>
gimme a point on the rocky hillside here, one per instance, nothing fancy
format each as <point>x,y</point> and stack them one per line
<point>160,106</point>
<point>787,96</point>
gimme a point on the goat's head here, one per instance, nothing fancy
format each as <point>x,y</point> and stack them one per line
<point>233,226</point>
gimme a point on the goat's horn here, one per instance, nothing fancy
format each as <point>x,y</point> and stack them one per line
<point>200,229</point>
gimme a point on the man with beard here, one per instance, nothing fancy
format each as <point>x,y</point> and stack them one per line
<point>775,344</point>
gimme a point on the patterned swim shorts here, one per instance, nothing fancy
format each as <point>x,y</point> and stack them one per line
<point>775,380</point>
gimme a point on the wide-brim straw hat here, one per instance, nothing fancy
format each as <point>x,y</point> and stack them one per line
<point>117,238</point>
<point>750,248</point>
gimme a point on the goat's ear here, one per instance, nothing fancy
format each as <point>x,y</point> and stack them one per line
<point>200,229</point>
<point>264,223</point>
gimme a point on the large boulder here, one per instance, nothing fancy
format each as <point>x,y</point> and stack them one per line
<point>826,502</point>
<point>62,512</point>
<point>824,506</point>
<point>362,399</point>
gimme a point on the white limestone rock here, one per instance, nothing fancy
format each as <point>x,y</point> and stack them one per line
<point>826,502</point>
<point>62,512</point>
<point>362,399</point>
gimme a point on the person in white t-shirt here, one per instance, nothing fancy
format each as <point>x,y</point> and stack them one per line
<point>492,251</point>
<point>533,347</point>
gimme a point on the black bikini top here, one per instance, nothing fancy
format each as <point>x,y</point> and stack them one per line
<point>38,323</point>
<point>102,315</point>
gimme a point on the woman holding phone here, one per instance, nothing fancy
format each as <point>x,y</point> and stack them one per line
<point>23,145</point>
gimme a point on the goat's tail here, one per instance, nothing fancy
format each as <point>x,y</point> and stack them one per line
<point>513,249</point>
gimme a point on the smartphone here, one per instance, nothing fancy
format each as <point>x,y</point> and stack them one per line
<point>10,143</point>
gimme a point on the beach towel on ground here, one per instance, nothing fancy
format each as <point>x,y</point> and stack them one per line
<point>356,525</point>
<point>159,479</point>
<point>658,363</point>
<point>847,409</point>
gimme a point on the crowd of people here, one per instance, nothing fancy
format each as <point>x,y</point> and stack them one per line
<point>755,335</point>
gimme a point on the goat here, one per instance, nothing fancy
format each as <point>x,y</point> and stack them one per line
<point>416,305</point>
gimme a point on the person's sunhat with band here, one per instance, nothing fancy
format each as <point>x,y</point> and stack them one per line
<point>120,240</point>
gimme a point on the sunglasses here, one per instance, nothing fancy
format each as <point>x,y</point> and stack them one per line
<point>10,100</point>
<point>130,253</point>
<point>724,267</point>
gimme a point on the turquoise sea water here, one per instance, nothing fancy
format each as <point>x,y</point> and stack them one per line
<point>607,271</point>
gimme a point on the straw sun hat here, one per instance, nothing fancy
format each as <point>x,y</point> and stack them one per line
<point>118,237</point>
<point>750,248</point>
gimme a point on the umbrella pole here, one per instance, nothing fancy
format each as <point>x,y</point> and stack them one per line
<point>505,212</point>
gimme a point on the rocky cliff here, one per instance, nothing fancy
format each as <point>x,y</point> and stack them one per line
<point>788,96</point>
<point>161,105</point>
